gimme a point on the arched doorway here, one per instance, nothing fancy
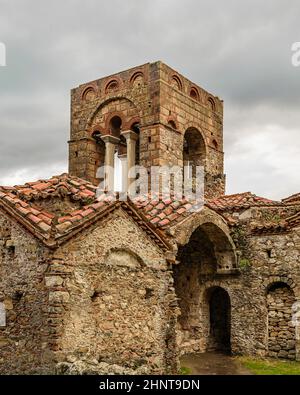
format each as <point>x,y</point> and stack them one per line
<point>194,149</point>
<point>219,319</point>
<point>204,320</point>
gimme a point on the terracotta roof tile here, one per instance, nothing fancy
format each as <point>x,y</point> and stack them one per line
<point>160,211</point>
<point>293,199</point>
<point>240,201</point>
<point>294,220</point>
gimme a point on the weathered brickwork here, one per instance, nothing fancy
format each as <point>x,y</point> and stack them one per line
<point>87,306</point>
<point>164,104</point>
<point>118,276</point>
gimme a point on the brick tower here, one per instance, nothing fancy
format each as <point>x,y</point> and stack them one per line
<point>151,115</point>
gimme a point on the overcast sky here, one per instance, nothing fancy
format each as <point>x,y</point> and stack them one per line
<point>238,50</point>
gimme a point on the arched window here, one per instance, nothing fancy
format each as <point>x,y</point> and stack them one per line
<point>89,94</point>
<point>115,126</point>
<point>112,86</point>
<point>194,151</point>
<point>194,94</point>
<point>176,82</point>
<point>172,124</point>
<point>211,104</point>
<point>137,80</point>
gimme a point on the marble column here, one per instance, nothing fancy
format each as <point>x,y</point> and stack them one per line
<point>131,139</point>
<point>110,148</point>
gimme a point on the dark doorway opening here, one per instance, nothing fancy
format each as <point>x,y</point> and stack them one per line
<point>220,320</point>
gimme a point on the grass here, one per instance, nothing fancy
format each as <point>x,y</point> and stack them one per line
<point>270,366</point>
<point>184,370</point>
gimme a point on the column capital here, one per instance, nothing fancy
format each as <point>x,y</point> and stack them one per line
<point>108,138</point>
<point>130,135</point>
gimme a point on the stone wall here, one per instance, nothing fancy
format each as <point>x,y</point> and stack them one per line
<point>276,259</point>
<point>263,260</point>
<point>281,331</point>
<point>117,301</point>
<point>24,338</point>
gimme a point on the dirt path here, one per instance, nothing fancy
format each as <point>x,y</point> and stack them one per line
<point>213,364</point>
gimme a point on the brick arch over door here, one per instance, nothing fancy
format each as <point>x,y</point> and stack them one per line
<point>121,106</point>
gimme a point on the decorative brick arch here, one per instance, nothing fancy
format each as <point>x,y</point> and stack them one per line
<point>105,103</point>
<point>194,93</point>
<point>133,121</point>
<point>97,128</point>
<point>88,88</point>
<point>113,80</point>
<point>211,103</point>
<point>137,75</point>
<point>112,115</point>
<point>176,82</point>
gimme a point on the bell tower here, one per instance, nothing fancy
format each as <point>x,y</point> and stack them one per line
<point>148,115</point>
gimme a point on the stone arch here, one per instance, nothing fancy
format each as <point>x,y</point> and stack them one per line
<point>281,329</point>
<point>137,79</point>
<point>124,257</point>
<point>176,82</point>
<point>112,85</point>
<point>194,93</point>
<point>97,128</point>
<point>111,118</point>
<point>194,150</point>
<point>281,279</point>
<point>205,249</point>
<point>183,231</point>
<point>89,93</point>
<point>99,110</point>
<point>114,124</point>
<point>211,103</point>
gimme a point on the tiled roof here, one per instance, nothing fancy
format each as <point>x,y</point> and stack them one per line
<point>293,199</point>
<point>61,185</point>
<point>33,216</point>
<point>21,203</point>
<point>294,220</point>
<point>164,212</point>
<point>240,201</point>
<point>154,214</point>
<point>277,227</point>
